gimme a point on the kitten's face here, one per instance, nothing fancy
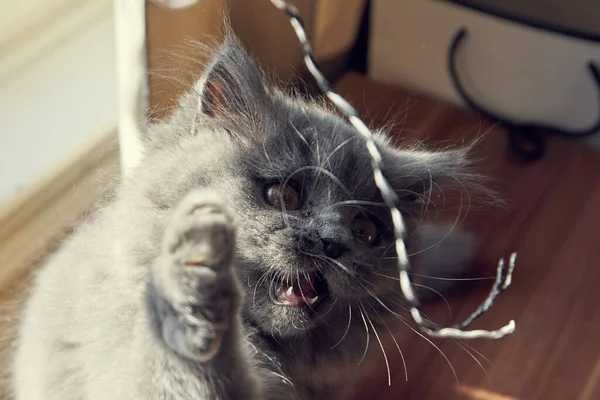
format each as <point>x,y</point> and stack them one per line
<point>313,235</point>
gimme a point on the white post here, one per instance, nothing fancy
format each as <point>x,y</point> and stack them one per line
<point>176,3</point>
<point>132,79</point>
<point>132,75</point>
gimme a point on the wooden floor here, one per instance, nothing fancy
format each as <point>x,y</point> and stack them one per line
<point>552,220</point>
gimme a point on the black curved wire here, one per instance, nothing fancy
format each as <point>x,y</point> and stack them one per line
<point>525,139</point>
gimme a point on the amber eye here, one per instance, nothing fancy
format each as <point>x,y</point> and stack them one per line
<point>364,230</point>
<point>276,194</point>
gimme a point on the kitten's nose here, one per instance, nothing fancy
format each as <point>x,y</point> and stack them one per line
<point>333,248</point>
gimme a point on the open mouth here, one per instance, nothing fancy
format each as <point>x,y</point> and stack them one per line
<point>307,290</point>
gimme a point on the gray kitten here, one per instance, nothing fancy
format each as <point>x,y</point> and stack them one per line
<point>245,258</point>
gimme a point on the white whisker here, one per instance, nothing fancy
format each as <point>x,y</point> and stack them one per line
<point>436,347</point>
<point>367,331</point>
<point>484,278</point>
<point>396,343</point>
<point>347,327</point>
<point>444,299</point>
<point>418,333</point>
<point>338,147</point>
<point>476,360</point>
<point>387,363</point>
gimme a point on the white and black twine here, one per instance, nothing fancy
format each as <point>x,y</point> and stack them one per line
<point>391,200</point>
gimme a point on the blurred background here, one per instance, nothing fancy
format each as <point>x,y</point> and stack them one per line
<point>80,78</point>
<point>57,83</point>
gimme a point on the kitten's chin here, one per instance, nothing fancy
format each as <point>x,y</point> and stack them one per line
<point>295,321</point>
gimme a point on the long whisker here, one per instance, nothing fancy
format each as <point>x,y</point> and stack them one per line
<point>454,225</point>
<point>317,265</point>
<point>436,347</point>
<point>476,352</point>
<point>387,363</point>
<point>339,147</point>
<point>484,278</point>
<point>266,153</point>
<point>357,202</point>
<point>395,342</point>
<point>474,358</point>
<point>328,260</point>
<point>284,213</point>
<point>439,294</point>
<point>336,262</point>
<point>262,278</point>
<point>276,364</point>
<point>347,327</point>
<point>301,136</point>
<point>271,284</point>
<point>324,171</point>
<point>418,333</point>
<point>367,331</point>
<point>329,310</point>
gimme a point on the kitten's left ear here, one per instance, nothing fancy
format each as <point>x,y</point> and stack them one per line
<point>416,172</point>
<point>232,85</point>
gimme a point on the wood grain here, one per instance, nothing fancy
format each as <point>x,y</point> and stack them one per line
<point>552,219</point>
<point>38,216</point>
<point>36,220</point>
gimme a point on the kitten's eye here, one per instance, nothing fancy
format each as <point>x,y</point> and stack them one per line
<point>364,230</point>
<point>275,193</point>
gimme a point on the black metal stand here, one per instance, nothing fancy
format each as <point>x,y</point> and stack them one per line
<point>526,140</point>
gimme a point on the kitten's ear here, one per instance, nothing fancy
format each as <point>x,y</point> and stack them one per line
<point>232,85</point>
<point>416,172</point>
<point>230,93</point>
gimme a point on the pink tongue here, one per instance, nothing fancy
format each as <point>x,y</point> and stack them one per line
<point>304,286</point>
<point>302,290</point>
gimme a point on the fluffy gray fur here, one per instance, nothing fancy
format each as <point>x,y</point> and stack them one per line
<point>165,292</point>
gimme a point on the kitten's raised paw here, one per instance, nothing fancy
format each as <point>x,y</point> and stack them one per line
<point>201,232</point>
<point>198,293</point>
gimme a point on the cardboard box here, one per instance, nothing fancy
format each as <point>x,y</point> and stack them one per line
<point>174,62</point>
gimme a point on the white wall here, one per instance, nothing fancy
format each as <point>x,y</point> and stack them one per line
<point>52,106</point>
<point>13,12</point>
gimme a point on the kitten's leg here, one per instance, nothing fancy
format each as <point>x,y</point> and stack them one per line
<point>195,293</point>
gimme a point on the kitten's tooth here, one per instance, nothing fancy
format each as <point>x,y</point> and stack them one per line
<point>290,291</point>
<point>311,300</point>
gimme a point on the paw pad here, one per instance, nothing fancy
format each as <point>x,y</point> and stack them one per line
<point>206,209</point>
<point>197,262</point>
